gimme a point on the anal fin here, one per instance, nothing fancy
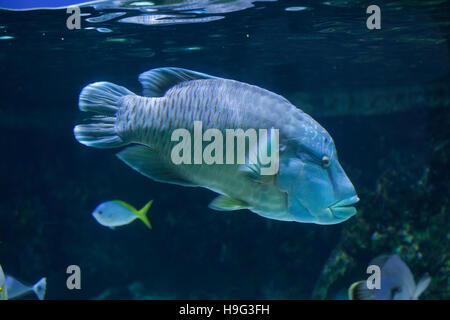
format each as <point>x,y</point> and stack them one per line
<point>227,203</point>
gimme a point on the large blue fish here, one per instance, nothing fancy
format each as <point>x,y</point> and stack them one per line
<point>309,186</point>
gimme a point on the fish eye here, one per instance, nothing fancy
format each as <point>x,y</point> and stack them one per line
<point>325,162</point>
<point>99,212</point>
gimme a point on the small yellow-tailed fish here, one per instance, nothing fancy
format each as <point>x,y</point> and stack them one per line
<point>117,213</point>
<point>3,291</point>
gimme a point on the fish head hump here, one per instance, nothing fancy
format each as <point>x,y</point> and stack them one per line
<point>318,189</point>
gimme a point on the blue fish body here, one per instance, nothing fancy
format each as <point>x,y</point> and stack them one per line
<point>309,186</point>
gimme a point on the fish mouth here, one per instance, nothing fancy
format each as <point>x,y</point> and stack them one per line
<point>344,209</point>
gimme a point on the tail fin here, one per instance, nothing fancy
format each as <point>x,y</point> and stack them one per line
<point>40,287</point>
<point>359,291</point>
<point>142,214</point>
<point>101,98</point>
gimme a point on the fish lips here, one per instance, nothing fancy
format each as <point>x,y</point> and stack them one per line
<point>344,209</point>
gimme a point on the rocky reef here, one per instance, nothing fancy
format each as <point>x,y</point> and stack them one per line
<point>405,211</point>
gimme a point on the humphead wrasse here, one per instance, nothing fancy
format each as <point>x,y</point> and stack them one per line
<point>309,185</point>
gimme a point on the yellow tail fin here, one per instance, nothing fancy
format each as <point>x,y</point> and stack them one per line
<point>142,214</point>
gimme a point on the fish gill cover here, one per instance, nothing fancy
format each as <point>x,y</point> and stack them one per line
<point>383,95</point>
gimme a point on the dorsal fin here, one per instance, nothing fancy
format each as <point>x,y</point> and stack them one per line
<point>156,82</point>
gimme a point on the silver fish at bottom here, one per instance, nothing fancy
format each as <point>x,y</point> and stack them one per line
<point>309,186</point>
<point>396,282</point>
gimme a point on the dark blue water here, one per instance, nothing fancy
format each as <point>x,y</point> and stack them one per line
<point>383,95</point>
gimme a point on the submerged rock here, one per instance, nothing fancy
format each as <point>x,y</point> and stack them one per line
<point>405,213</point>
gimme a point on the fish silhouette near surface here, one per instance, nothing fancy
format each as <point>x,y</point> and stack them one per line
<point>396,282</point>
<point>309,186</point>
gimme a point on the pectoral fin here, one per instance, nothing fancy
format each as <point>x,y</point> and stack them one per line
<point>149,163</point>
<point>421,286</point>
<point>253,167</point>
<point>226,203</point>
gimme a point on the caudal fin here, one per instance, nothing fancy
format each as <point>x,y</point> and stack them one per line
<point>142,214</point>
<point>101,98</point>
<point>359,291</point>
<point>40,287</point>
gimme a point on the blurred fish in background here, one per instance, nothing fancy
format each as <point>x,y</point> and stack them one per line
<point>397,282</point>
<point>17,289</point>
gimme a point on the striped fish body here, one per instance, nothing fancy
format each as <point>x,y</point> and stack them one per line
<point>310,185</point>
<point>220,104</point>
